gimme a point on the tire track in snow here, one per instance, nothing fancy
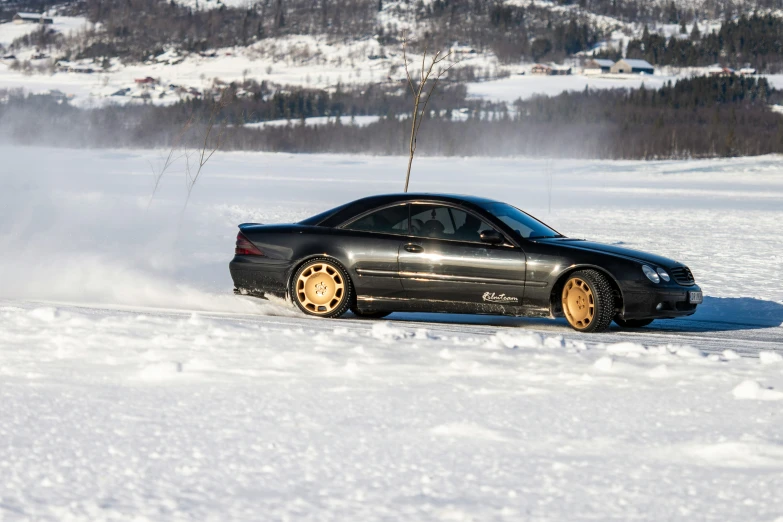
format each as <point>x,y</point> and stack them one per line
<point>709,336</point>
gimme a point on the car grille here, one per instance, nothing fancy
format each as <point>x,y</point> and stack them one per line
<point>683,275</point>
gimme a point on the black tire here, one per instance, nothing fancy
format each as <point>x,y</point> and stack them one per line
<point>339,304</point>
<point>600,297</point>
<point>632,323</point>
<point>368,315</point>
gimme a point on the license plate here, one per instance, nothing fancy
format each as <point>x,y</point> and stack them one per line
<point>695,297</point>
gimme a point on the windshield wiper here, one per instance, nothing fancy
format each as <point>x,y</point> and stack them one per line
<point>558,236</point>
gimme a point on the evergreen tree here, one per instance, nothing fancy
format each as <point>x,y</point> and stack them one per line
<point>695,33</point>
<point>672,14</point>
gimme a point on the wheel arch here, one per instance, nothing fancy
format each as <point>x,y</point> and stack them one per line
<point>555,308</point>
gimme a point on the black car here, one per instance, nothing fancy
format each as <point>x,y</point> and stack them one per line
<point>458,254</point>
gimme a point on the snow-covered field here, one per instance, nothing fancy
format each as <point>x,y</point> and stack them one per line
<point>91,90</point>
<point>359,121</point>
<point>523,87</point>
<point>10,31</point>
<point>517,87</point>
<point>134,385</point>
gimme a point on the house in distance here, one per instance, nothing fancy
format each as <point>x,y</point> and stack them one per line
<point>541,69</point>
<point>32,18</point>
<point>597,66</point>
<point>629,66</point>
<point>551,69</point>
<point>720,70</point>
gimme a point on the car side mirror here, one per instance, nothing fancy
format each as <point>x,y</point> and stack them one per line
<point>493,237</point>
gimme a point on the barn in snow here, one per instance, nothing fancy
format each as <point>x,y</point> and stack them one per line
<point>628,66</point>
<point>32,18</point>
<point>597,66</point>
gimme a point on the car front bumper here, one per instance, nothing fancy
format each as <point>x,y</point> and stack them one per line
<point>660,303</point>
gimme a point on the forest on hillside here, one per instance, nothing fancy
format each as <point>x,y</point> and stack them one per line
<point>699,117</point>
<point>671,12</point>
<point>136,30</point>
<point>756,41</point>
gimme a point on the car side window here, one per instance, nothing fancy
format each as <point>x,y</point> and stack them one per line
<point>391,220</point>
<point>443,222</point>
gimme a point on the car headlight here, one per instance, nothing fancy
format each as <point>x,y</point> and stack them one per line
<point>651,274</point>
<point>664,275</point>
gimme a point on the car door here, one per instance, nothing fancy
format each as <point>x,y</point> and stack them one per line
<point>373,242</point>
<point>444,260</point>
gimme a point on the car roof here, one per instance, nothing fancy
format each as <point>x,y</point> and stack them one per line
<point>341,214</point>
<point>439,196</point>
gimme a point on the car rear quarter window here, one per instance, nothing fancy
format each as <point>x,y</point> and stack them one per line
<point>390,220</point>
<point>323,216</point>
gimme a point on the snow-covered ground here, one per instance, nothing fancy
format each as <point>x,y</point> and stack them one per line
<point>134,384</point>
<point>10,31</point>
<point>527,86</point>
<point>523,87</point>
<point>359,121</point>
<point>198,72</point>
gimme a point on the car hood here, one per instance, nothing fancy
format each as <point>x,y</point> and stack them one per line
<point>614,250</point>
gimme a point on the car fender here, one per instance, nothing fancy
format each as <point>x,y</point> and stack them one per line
<point>561,277</point>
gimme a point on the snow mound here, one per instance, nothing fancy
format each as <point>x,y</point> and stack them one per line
<point>468,431</point>
<point>161,371</point>
<point>752,390</point>
<point>770,357</point>
<point>387,332</point>
<point>627,349</point>
<point>740,454</point>
<point>513,340</point>
<point>604,363</point>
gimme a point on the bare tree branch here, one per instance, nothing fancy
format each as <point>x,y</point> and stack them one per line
<point>208,149</point>
<point>170,158</point>
<point>432,90</point>
<point>417,91</point>
<point>212,140</point>
<point>405,61</point>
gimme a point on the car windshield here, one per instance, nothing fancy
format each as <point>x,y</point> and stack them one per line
<point>523,224</point>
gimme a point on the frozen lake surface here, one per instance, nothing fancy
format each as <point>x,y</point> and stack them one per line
<point>134,385</point>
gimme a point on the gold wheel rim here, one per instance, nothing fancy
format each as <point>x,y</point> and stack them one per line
<point>320,288</point>
<point>578,303</point>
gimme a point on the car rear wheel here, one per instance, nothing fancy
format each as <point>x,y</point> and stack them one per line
<point>321,287</point>
<point>632,323</point>
<point>588,301</point>
<point>368,315</point>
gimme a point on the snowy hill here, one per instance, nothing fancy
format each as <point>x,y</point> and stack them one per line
<point>325,47</point>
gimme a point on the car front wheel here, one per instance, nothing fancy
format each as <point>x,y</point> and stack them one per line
<point>588,301</point>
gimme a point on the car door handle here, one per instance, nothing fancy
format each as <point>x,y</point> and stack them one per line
<point>416,249</point>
